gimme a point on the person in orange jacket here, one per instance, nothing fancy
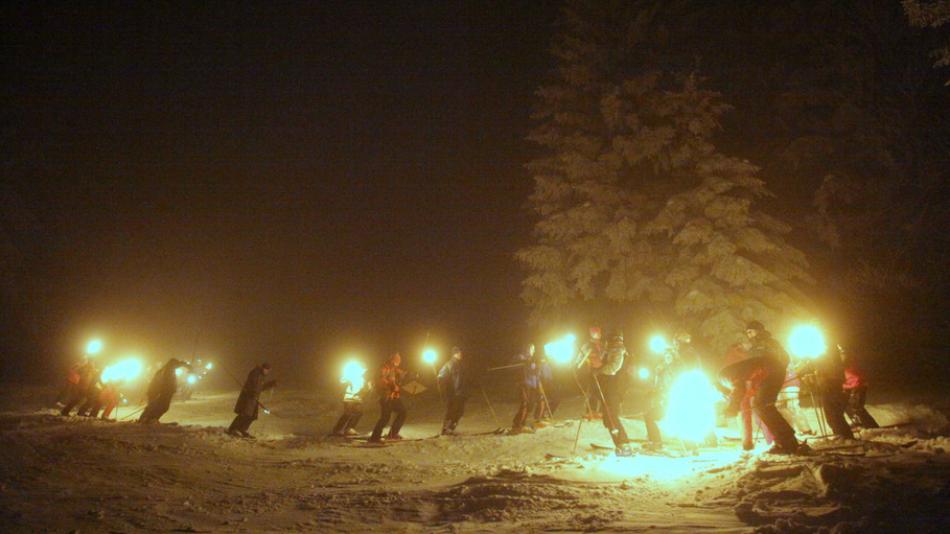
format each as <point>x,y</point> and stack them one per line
<point>388,388</point>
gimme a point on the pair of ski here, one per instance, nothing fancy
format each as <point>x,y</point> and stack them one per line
<point>604,449</point>
<point>364,441</point>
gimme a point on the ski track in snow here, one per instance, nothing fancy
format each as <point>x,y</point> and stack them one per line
<point>66,474</point>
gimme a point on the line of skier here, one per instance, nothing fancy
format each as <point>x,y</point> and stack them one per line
<point>758,379</point>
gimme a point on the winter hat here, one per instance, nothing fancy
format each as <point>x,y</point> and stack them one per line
<point>755,325</point>
<point>265,365</point>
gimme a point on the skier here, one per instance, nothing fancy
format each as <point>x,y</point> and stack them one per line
<point>826,376</point>
<point>160,391</point>
<point>356,389</point>
<point>683,349</point>
<point>91,406</point>
<point>389,402</point>
<point>773,363</point>
<point>856,390</point>
<point>108,399</point>
<point>766,365</point>
<point>86,373</point>
<point>248,403</point>
<point>661,380</point>
<point>591,359</point>
<point>452,380</point>
<point>610,389</point>
<point>529,384</point>
<point>72,382</point>
<point>742,403</point>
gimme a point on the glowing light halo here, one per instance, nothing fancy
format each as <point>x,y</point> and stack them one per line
<point>690,407</point>
<point>125,370</point>
<point>644,373</point>
<point>561,351</point>
<point>430,356</point>
<point>660,469</point>
<point>353,372</point>
<point>806,341</point>
<point>658,344</point>
<point>192,379</point>
<point>94,346</point>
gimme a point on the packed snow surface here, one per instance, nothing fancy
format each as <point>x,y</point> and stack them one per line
<point>187,475</point>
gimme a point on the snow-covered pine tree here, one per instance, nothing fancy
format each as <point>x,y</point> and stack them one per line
<point>635,203</point>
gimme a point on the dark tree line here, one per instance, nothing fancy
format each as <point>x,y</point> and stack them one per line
<point>667,127</point>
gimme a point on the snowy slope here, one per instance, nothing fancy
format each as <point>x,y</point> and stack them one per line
<point>63,474</point>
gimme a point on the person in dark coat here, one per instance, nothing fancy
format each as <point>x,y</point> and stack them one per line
<point>452,381</point>
<point>825,375</point>
<point>161,390</point>
<point>611,389</point>
<point>591,357</point>
<point>529,389</point>
<point>248,403</point>
<point>772,361</point>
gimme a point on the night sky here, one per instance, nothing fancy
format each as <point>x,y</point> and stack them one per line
<point>278,182</point>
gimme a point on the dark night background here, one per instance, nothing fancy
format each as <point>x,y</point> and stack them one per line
<point>292,181</point>
<point>281,183</point>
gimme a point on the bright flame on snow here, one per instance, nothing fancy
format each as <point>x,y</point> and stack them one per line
<point>658,344</point>
<point>806,341</point>
<point>94,347</point>
<point>429,356</point>
<point>353,372</point>
<point>660,468</point>
<point>128,370</point>
<point>562,351</point>
<point>690,410</point>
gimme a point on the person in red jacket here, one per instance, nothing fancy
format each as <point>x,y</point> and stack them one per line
<point>855,389</point>
<point>742,403</point>
<point>388,388</point>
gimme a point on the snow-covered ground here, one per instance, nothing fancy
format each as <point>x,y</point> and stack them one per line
<point>65,474</point>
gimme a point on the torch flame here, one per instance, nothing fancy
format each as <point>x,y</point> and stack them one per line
<point>807,341</point>
<point>562,351</point>
<point>353,372</point>
<point>126,370</point>
<point>690,411</point>
<point>94,347</point>
<point>658,344</point>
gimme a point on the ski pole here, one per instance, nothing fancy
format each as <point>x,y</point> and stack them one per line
<point>506,367</point>
<point>580,420</point>
<point>490,408</point>
<point>263,408</point>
